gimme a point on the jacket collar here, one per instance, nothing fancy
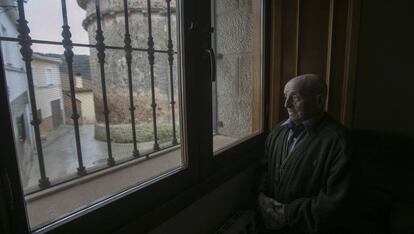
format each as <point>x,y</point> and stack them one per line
<point>310,124</point>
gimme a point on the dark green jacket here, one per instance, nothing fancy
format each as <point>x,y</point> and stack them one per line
<point>313,180</point>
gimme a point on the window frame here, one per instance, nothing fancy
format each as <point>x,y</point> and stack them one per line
<point>13,214</point>
<point>252,145</point>
<point>49,76</point>
<point>178,188</point>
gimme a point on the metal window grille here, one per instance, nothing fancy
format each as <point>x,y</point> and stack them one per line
<point>25,41</point>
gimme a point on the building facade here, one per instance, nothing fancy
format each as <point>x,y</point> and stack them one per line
<point>48,92</point>
<point>16,80</point>
<point>83,89</point>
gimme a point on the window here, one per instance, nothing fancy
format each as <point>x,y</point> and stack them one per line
<point>21,128</point>
<point>148,82</point>
<point>48,76</point>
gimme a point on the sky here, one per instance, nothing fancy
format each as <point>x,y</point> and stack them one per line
<point>45,22</point>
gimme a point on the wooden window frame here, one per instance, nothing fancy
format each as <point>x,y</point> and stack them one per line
<point>163,196</point>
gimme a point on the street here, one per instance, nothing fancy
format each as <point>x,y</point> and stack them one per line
<point>61,158</point>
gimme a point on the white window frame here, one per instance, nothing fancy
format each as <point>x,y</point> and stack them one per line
<point>49,76</point>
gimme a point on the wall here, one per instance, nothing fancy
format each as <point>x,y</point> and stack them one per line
<point>116,69</point>
<point>87,106</point>
<point>233,42</point>
<point>17,89</point>
<point>314,36</point>
<point>385,81</point>
<point>14,66</point>
<point>18,108</point>
<point>208,214</point>
<point>384,101</point>
<point>363,51</point>
<point>11,50</point>
<point>46,93</point>
<point>67,100</point>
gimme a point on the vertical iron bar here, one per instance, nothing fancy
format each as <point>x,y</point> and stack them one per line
<point>128,57</point>
<point>100,46</point>
<point>67,44</point>
<point>27,53</point>
<point>151,62</point>
<point>171,61</point>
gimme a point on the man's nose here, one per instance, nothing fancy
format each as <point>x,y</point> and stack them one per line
<point>288,102</point>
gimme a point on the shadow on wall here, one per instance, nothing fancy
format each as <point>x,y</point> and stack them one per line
<point>382,190</point>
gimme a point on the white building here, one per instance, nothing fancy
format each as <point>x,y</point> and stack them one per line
<point>17,86</point>
<point>85,95</point>
<point>48,92</point>
<point>83,89</point>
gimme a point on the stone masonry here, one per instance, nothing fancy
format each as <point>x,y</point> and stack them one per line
<point>113,26</point>
<point>234,67</point>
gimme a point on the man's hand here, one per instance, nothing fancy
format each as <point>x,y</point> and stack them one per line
<point>272,212</point>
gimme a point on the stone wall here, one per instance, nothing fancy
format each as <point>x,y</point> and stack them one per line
<point>116,75</point>
<point>234,67</point>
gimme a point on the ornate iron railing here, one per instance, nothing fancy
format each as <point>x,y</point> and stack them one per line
<point>26,51</point>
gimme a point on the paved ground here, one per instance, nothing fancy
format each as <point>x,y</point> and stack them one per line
<point>50,204</point>
<point>60,154</point>
<point>61,158</point>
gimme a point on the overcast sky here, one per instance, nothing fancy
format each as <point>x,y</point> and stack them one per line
<point>45,22</point>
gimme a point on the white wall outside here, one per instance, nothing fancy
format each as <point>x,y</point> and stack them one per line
<point>14,65</point>
<point>46,90</point>
<point>87,106</point>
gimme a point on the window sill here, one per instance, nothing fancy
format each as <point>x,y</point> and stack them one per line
<point>61,200</point>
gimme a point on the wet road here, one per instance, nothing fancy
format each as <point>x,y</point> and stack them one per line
<point>61,158</point>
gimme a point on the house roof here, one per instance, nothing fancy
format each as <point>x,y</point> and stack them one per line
<point>81,68</point>
<point>45,57</point>
<point>80,65</point>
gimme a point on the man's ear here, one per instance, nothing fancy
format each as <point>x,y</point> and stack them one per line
<point>320,100</point>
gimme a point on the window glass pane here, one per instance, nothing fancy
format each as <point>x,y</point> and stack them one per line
<point>36,10</point>
<point>237,92</point>
<point>109,124</point>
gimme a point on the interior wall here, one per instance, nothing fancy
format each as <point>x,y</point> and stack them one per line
<point>384,98</point>
<point>317,36</point>
<point>208,213</point>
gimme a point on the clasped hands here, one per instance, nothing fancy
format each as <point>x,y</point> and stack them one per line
<point>272,212</point>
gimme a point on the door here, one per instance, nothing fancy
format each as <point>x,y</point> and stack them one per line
<point>56,113</point>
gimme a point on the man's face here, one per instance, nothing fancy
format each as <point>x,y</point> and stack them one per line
<point>299,106</point>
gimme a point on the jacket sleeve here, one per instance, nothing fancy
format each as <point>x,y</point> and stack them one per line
<point>262,172</point>
<point>323,211</point>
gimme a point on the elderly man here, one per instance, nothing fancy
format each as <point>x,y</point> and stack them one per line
<point>307,158</point>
